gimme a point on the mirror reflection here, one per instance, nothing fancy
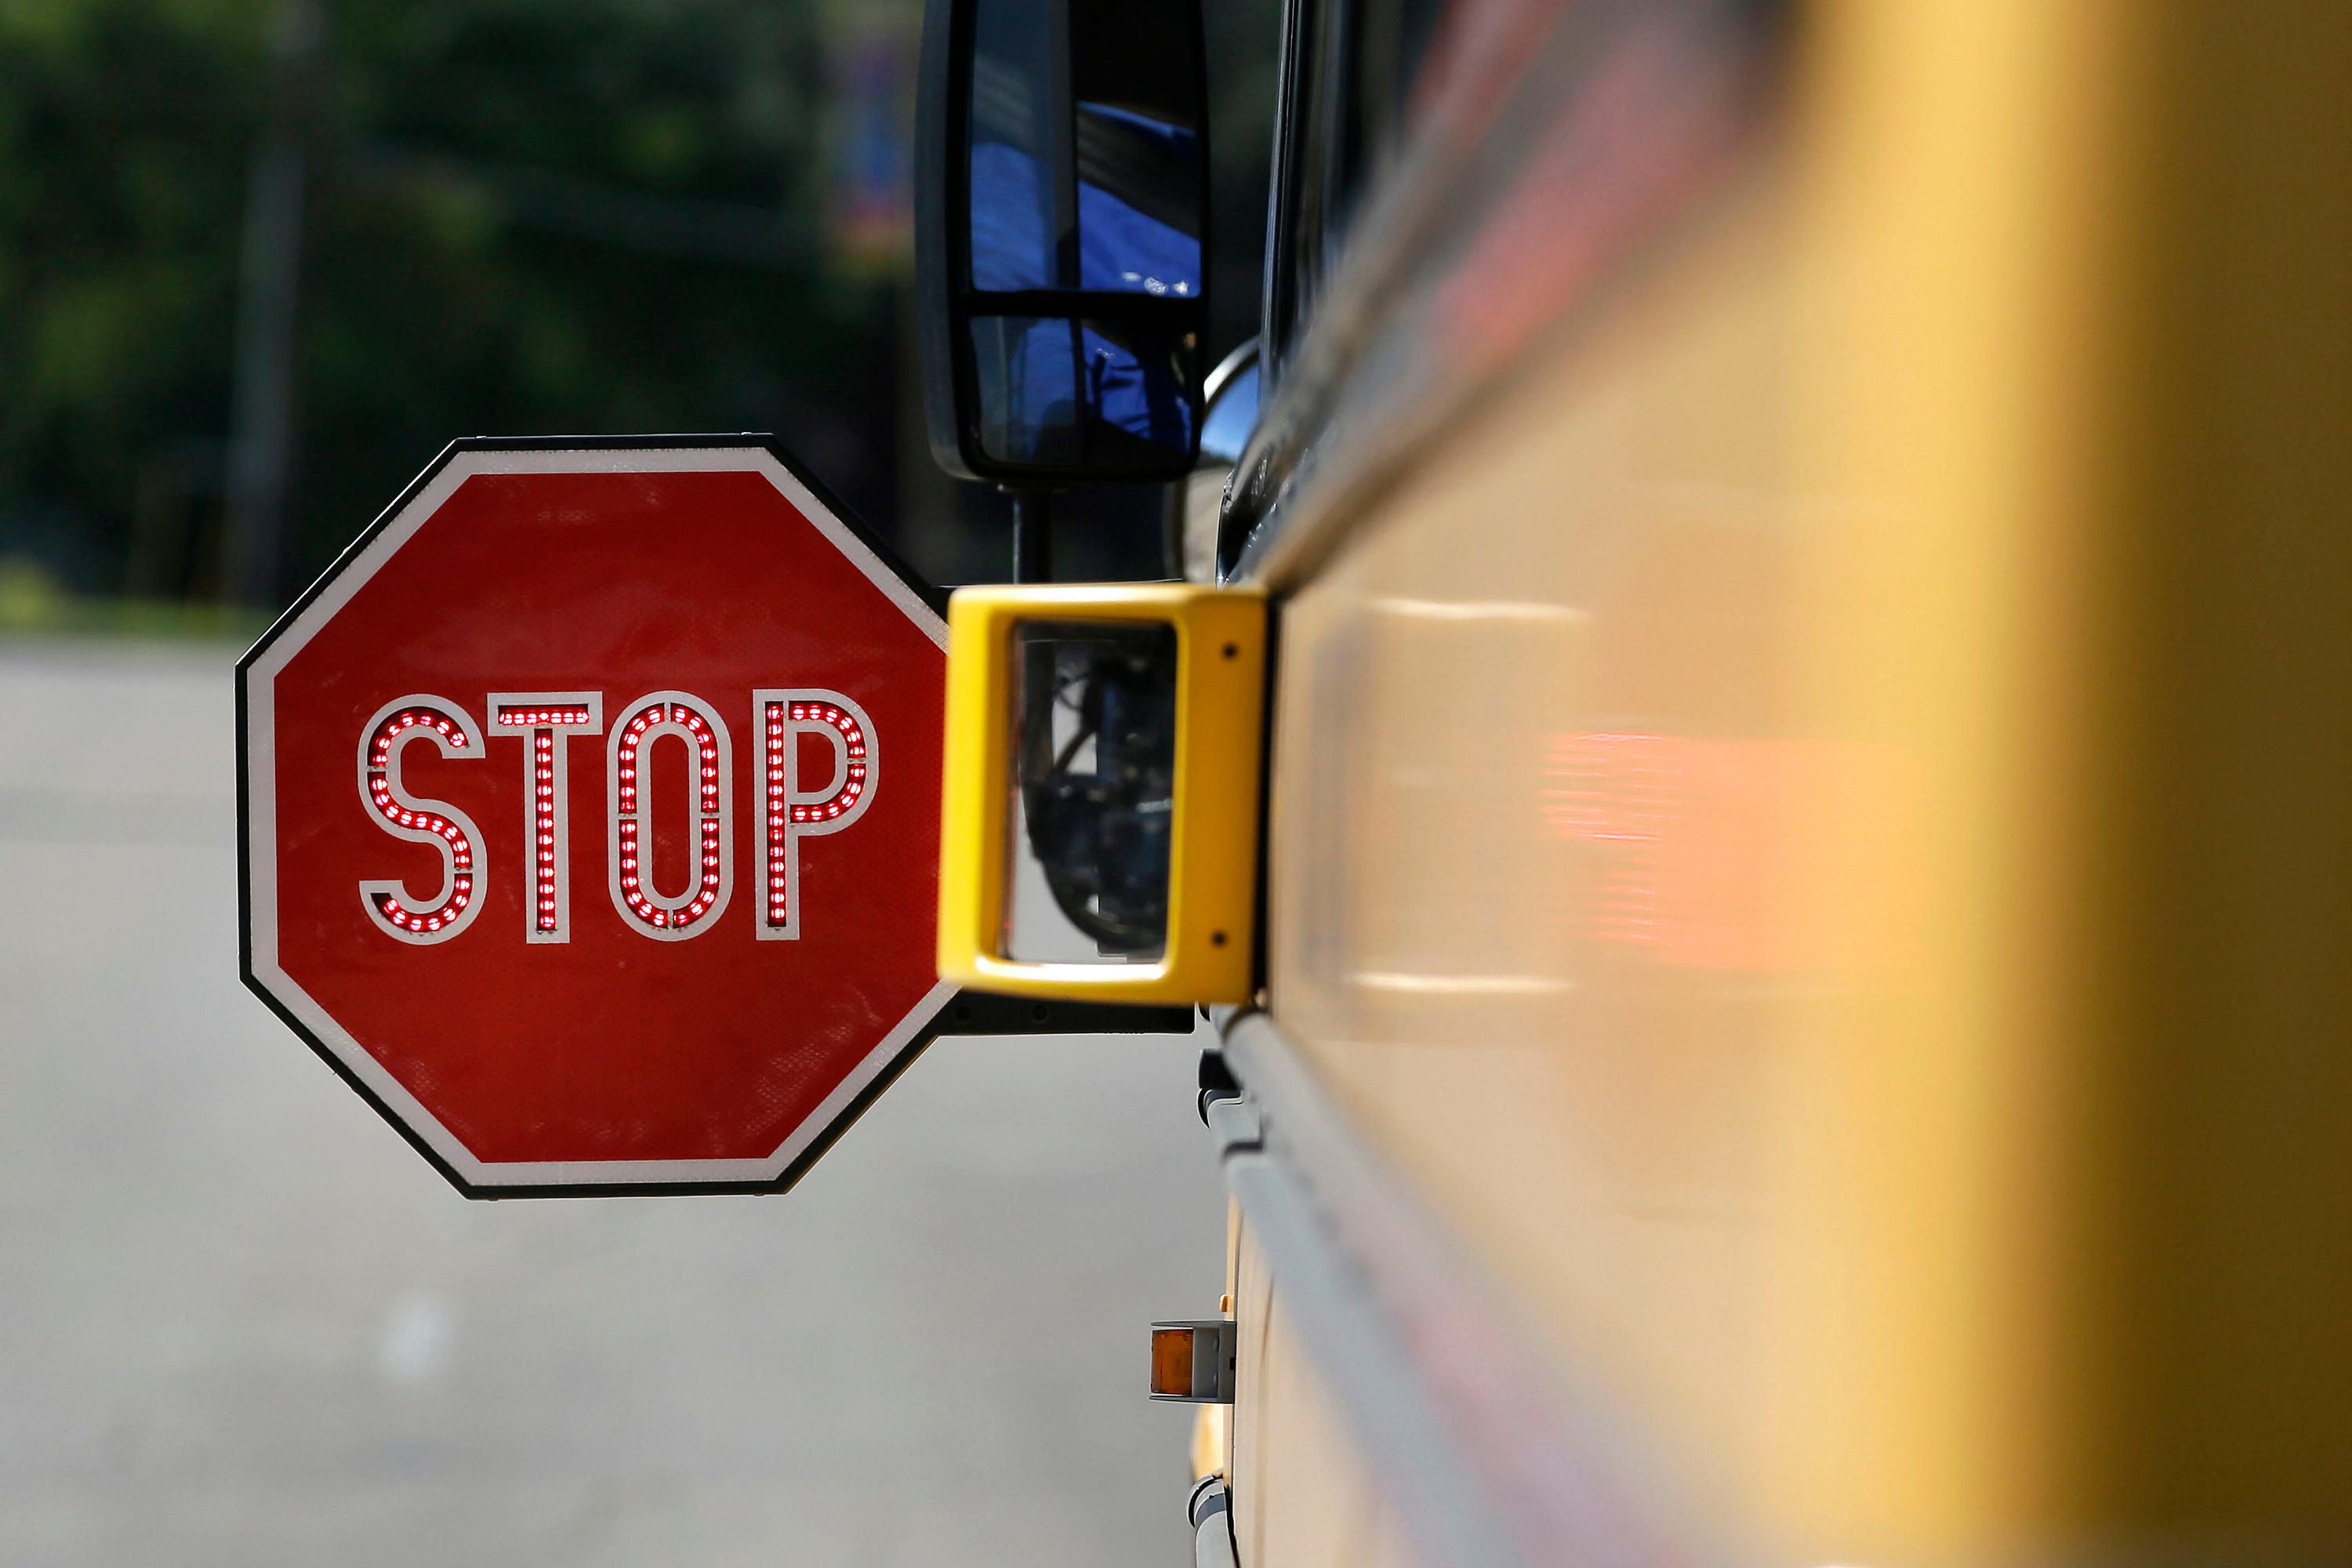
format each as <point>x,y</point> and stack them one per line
<point>1086,172</point>
<point>1036,373</point>
<point>1093,793</point>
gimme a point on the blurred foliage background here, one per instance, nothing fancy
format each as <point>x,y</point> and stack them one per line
<point>260,259</point>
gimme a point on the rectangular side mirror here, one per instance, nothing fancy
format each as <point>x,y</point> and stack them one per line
<point>1061,237</point>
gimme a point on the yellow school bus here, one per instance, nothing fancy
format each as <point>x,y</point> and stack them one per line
<point>1800,1008</point>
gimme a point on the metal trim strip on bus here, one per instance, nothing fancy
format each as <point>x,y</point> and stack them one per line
<point>1490,1452</point>
<point>1209,1511</point>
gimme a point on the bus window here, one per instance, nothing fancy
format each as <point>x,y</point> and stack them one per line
<point>1348,70</point>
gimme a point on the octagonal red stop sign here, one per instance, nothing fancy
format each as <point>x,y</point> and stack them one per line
<point>590,816</point>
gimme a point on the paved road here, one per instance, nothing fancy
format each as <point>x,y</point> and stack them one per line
<point>241,1323</point>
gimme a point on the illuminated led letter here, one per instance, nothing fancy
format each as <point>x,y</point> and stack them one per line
<point>545,718</point>
<point>634,877</point>
<point>433,822</point>
<point>791,813</point>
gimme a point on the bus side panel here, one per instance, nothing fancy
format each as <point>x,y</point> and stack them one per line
<point>1810,825</point>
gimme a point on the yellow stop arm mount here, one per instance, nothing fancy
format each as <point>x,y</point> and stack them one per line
<point>1220,696</point>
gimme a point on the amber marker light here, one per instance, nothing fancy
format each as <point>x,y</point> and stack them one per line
<point>1171,1362</point>
<point>1193,1363</point>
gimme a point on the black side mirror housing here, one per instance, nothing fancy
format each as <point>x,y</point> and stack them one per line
<point>1060,239</point>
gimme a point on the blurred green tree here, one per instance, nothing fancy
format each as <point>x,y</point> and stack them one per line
<point>514,216</point>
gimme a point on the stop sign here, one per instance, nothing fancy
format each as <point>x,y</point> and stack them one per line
<point>590,816</point>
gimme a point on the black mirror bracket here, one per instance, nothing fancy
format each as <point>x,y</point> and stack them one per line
<point>1032,533</point>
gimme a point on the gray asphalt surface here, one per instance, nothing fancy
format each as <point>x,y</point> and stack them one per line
<point>242,1323</point>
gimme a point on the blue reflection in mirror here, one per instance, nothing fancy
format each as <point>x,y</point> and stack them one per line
<point>1136,180</point>
<point>1028,397</point>
<point>1124,246</point>
<point>1138,396</point>
<point>1016,130</point>
<point>1052,400</point>
<point>1009,247</point>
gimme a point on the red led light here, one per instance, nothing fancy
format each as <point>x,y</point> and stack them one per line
<point>518,718</point>
<point>380,789</point>
<point>546,718</point>
<point>634,884</point>
<point>791,813</point>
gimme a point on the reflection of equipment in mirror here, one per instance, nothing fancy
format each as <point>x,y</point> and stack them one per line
<point>1095,781</point>
<point>1056,391</point>
<point>1064,211</point>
